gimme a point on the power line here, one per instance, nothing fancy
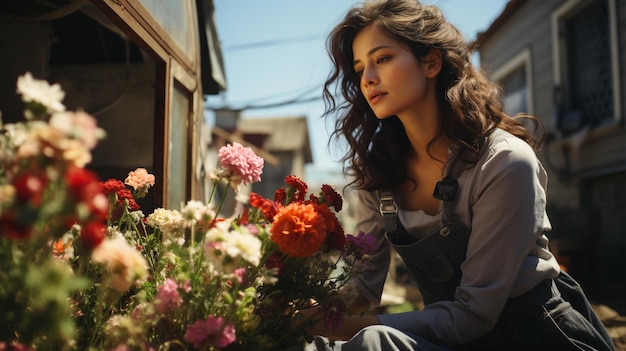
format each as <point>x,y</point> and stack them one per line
<point>274,42</point>
<point>298,99</point>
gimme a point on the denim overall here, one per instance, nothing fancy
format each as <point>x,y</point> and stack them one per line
<point>555,315</point>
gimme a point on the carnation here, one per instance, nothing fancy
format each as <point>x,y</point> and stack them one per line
<point>124,263</point>
<point>167,298</point>
<point>170,222</point>
<point>214,329</point>
<point>240,163</point>
<point>140,180</point>
<point>225,246</point>
<point>196,212</point>
<point>35,90</point>
<point>78,126</point>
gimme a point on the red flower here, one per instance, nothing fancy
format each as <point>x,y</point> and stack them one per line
<point>92,234</point>
<point>298,188</point>
<point>298,230</point>
<point>126,194</point>
<point>83,184</point>
<point>29,188</point>
<point>280,196</point>
<point>112,186</point>
<point>243,219</point>
<point>335,240</point>
<point>275,261</point>
<point>13,228</point>
<point>332,198</point>
<point>267,207</point>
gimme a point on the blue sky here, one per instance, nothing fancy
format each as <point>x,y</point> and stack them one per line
<point>274,51</point>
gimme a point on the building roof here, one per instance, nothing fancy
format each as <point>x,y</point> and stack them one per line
<point>508,11</point>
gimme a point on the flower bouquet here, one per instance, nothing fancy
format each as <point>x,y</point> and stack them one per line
<point>85,269</point>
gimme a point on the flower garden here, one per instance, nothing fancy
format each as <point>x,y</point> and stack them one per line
<point>83,268</point>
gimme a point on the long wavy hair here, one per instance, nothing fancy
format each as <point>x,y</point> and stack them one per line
<point>470,105</point>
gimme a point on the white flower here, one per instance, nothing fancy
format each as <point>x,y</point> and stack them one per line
<point>169,222</point>
<point>35,90</point>
<point>225,245</point>
<point>78,126</point>
<point>124,263</point>
<point>196,211</point>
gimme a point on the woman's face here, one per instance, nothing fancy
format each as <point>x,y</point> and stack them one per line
<point>392,80</point>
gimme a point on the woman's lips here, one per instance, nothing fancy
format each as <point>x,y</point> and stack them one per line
<point>375,96</point>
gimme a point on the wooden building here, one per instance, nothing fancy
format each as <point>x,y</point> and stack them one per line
<point>141,67</point>
<point>564,62</point>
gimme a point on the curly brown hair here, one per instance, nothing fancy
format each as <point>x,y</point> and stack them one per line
<point>470,104</point>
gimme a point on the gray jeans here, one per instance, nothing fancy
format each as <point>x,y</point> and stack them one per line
<point>376,338</point>
<point>552,324</point>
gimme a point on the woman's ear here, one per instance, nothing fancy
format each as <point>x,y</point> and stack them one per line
<point>432,63</point>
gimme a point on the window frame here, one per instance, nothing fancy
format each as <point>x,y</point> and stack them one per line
<point>559,54</point>
<point>173,68</point>
<point>521,59</point>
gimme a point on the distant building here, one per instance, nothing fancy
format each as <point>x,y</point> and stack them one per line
<point>283,142</point>
<point>287,138</point>
<point>563,61</point>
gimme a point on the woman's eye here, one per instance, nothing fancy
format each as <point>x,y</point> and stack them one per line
<point>382,59</point>
<point>359,72</point>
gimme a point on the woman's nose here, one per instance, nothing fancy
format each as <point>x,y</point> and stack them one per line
<point>369,77</point>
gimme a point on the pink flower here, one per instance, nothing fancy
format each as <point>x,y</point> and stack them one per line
<point>167,298</point>
<point>240,163</point>
<point>211,329</point>
<point>140,180</point>
<point>240,274</point>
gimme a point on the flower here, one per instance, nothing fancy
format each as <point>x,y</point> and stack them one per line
<point>361,244</point>
<point>140,180</point>
<point>39,91</point>
<point>124,263</point>
<point>212,330</point>
<point>167,298</point>
<point>240,164</point>
<point>95,273</point>
<point>298,230</point>
<point>332,198</point>
<point>78,126</point>
<point>228,249</point>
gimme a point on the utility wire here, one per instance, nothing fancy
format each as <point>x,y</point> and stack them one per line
<point>274,42</point>
<point>299,99</point>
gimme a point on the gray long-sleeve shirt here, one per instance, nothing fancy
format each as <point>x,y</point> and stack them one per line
<point>502,200</point>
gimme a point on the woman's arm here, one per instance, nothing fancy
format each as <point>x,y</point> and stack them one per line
<point>503,199</point>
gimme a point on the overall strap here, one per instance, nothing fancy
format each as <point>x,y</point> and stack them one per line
<point>445,190</point>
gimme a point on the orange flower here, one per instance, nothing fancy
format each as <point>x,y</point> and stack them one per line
<point>298,230</point>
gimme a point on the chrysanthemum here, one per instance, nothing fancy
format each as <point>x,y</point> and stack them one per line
<point>298,230</point>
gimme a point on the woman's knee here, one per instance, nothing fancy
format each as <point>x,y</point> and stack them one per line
<point>380,337</point>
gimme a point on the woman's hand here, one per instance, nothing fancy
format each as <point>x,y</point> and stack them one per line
<point>313,319</point>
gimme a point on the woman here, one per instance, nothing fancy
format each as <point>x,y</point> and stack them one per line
<point>460,189</point>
